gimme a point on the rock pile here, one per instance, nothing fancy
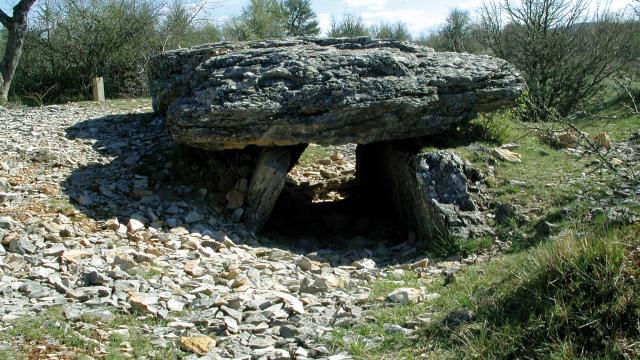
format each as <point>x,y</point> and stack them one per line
<point>100,223</point>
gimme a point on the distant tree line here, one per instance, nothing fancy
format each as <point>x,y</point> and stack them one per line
<point>566,51</point>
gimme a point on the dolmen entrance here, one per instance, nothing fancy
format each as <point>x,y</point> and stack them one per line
<point>282,95</point>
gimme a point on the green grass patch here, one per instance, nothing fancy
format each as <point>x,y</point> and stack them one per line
<point>617,123</point>
<point>313,153</point>
<point>572,298</point>
<point>474,246</point>
<point>393,281</point>
<point>146,273</point>
<point>61,205</point>
<point>46,327</point>
<point>51,327</point>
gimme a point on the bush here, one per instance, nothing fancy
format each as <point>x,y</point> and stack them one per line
<point>350,25</point>
<point>69,42</point>
<point>495,128</point>
<point>565,52</point>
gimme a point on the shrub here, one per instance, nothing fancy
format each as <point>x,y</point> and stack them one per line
<point>565,51</point>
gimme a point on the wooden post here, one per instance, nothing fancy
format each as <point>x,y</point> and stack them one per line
<point>98,89</point>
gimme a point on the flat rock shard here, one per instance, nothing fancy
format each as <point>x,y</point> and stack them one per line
<point>324,91</point>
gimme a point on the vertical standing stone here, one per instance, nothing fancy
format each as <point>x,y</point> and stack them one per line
<point>98,89</point>
<point>392,178</point>
<point>266,184</point>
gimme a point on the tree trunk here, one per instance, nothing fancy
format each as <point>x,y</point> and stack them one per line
<point>12,53</point>
<point>16,26</point>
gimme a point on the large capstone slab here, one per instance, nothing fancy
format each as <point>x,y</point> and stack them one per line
<point>324,91</point>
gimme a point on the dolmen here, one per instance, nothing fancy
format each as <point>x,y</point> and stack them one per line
<point>280,95</point>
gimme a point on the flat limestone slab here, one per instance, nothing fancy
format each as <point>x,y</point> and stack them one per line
<point>323,91</point>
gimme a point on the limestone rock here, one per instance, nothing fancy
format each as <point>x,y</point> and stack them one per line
<point>304,263</point>
<point>567,140</point>
<point>324,91</point>
<point>145,303</point>
<point>235,199</point>
<point>134,225</point>
<point>406,296</point>
<point>364,264</point>
<point>6,222</point>
<point>193,216</point>
<point>192,268</point>
<point>199,345</point>
<point>21,245</point>
<point>428,193</point>
<point>506,155</point>
<point>295,304</point>
<point>94,277</point>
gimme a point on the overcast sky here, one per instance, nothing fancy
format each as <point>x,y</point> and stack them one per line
<point>420,15</point>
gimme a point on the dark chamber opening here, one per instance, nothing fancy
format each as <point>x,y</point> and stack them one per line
<point>349,219</point>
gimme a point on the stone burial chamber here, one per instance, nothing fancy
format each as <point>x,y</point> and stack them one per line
<point>281,95</point>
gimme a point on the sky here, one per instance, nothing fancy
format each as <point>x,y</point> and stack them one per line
<point>420,15</point>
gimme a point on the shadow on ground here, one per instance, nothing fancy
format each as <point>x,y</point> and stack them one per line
<point>139,172</point>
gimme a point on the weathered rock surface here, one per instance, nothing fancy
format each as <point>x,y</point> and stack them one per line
<point>427,192</point>
<point>323,91</point>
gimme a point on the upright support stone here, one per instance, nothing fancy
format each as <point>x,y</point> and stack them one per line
<point>98,89</point>
<point>266,185</point>
<point>426,193</point>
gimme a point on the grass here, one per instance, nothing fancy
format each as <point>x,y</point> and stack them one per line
<point>146,273</point>
<point>552,179</point>
<point>572,298</point>
<point>62,205</point>
<point>313,153</point>
<point>474,246</point>
<point>51,329</point>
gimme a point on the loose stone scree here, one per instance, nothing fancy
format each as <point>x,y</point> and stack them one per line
<point>279,96</point>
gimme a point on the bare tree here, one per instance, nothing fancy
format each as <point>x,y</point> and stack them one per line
<point>564,51</point>
<point>16,26</point>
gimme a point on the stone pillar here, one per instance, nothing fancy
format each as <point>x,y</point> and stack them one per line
<point>265,186</point>
<point>421,200</point>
